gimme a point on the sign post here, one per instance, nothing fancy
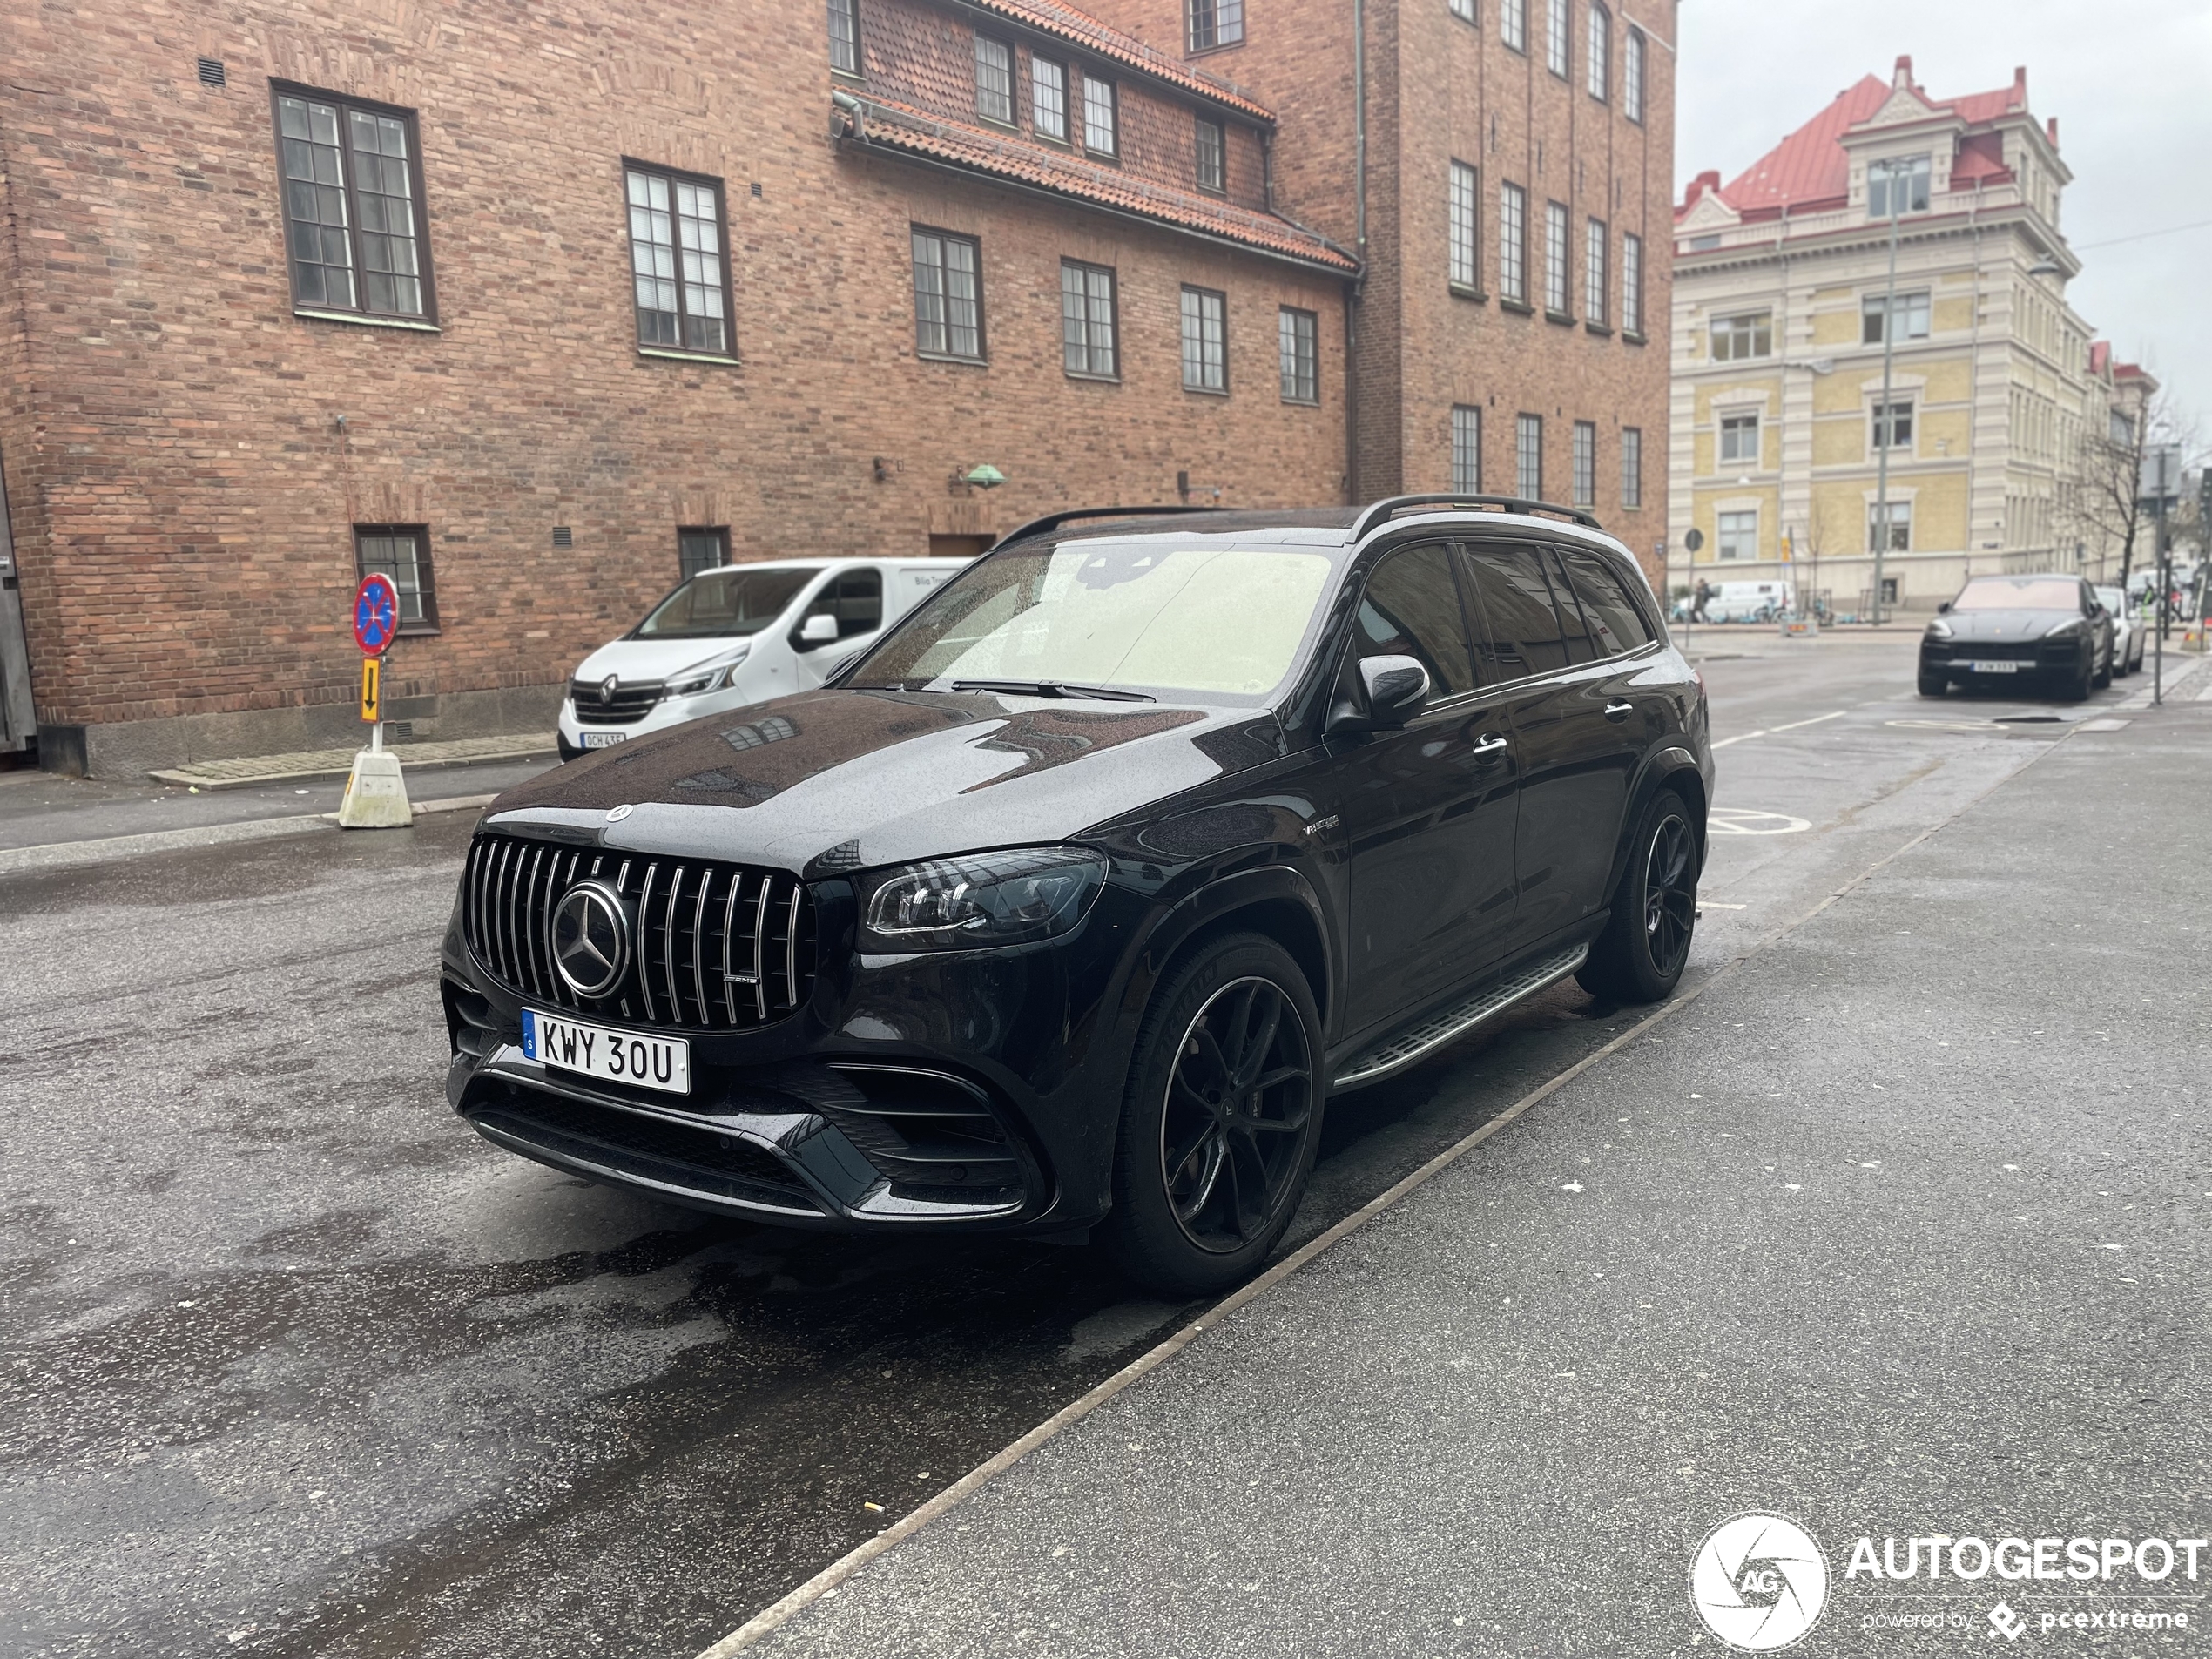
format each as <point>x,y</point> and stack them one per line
<point>376,792</point>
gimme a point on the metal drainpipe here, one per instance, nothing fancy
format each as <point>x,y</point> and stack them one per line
<point>1359,248</point>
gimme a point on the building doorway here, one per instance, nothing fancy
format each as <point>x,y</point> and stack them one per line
<point>958,547</point>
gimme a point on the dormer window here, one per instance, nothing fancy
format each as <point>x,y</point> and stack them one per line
<point>1896,186</point>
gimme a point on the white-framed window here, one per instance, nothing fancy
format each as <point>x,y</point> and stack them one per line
<point>1595,242</point>
<point>1632,283</point>
<point>1631,467</point>
<point>1748,334</point>
<point>1205,341</point>
<point>1893,424</point>
<point>1466,264</point>
<point>1632,51</point>
<point>1513,23</point>
<point>1555,270</point>
<point>1101,129</point>
<point>845,35</point>
<point>1738,536</point>
<point>1899,185</point>
<point>1300,339</point>
<point>1900,525</point>
<point>1049,98</point>
<point>1585,458</point>
<point>1600,57</point>
<point>1740,438</point>
<point>1528,457</point>
<point>995,80</point>
<point>1907,317</point>
<point>1512,242</point>
<point>1558,38</point>
<point>1467,448</point>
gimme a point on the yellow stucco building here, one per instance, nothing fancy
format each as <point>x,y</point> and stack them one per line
<point>1782,298</point>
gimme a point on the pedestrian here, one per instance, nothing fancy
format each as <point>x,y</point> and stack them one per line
<point>1704,597</point>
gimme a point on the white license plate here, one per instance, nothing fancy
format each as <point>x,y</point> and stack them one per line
<point>618,1056</point>
<point>603,739</point>
<point>1979,666</point>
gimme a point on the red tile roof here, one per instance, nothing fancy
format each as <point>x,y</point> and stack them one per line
<point>896,126</point>
<point>1080,28</point>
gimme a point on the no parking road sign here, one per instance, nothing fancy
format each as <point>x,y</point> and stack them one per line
<point>376,614</point>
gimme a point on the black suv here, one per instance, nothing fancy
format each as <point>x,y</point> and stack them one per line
<point>1067,905</point>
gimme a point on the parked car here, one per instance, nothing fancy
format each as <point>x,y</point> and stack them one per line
<point>1065,909</point>
<point>2128,632</point>
<point>2043,630</point>
<point>738,635</point>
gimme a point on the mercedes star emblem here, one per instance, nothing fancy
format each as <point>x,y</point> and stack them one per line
<point>616,814</point>
<point>591,938</point>
<point>607,688</point>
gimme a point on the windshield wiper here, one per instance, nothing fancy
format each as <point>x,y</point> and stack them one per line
<point>1053,688</point>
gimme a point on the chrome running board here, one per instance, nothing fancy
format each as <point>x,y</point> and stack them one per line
<point>1401,1049</point>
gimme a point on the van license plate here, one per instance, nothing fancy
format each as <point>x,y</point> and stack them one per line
<point>618,1056</point>
<point>603,739</point>
<point>1980,666</point>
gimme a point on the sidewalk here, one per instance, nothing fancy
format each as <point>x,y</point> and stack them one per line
<point>1896,1226</point>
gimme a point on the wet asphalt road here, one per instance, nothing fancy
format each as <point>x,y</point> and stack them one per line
<point>295,1365</point>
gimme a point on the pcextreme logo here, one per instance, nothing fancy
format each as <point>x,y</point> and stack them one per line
<point>1759,1583</point>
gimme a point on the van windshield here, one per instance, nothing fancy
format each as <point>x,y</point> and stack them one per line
<point>729,603</point>
<point>1141,616</point>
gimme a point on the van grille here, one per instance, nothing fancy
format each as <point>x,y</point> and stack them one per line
<point>630,703</point>
<point>717,947</point>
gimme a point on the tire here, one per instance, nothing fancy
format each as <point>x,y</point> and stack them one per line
<point>1238,1012</point>
<point>2076,688</point>
<point>1932,684</point>
<point>1640,956</point>
<point>2104,678</point>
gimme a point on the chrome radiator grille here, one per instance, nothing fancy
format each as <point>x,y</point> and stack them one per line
<point>713,946</point>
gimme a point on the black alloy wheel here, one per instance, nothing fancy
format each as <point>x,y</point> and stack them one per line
<point>1640,956</point>
<point>1221,1119</point>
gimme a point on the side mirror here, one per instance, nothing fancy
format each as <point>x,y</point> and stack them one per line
<point>818,630</point>
<point>1944,609</point>
<point>1396,688</point>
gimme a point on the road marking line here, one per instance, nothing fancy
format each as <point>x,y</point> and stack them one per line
<point>783,1610</point>
<point>1741,737</point>
<point>1768,731</point>
<point>1837,715</point>
<point>1714,904</point>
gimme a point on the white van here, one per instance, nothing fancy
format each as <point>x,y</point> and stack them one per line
<point>1749,601</point>
<point>738,635</point>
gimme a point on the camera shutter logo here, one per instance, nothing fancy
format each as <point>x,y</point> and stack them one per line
<point>1759,1583</point>
<point>591,938</point>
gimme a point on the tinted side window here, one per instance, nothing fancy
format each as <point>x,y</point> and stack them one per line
<point>1581,647</point>
<point>856,600</point>
<point>1611,614</point>
<point>1520,628</point>
<point>1412,608</point>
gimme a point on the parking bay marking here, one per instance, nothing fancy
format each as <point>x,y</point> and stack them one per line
<point>1768,731</point>
<point>1741,820</point>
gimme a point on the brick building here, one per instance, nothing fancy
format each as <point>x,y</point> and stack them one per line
<point>535,309</point>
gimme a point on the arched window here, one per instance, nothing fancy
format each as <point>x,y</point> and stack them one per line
<point>1632,75</point>
<point>1601,53</point>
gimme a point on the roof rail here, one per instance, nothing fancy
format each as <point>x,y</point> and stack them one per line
<point>1383,511</point>
<point>1054,520</point>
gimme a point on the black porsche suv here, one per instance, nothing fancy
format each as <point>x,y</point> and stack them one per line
<point>1069,905</point>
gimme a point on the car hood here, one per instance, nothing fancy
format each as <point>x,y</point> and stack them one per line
<point>2009,627</point>
<point>836,780</point>
<point>632,660</point>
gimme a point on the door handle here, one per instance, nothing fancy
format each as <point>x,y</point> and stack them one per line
<point>1490,745</point>
<point>1617,710</point>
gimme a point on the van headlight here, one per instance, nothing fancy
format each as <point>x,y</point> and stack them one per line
<point>711,675</point>
<point>981,900</point>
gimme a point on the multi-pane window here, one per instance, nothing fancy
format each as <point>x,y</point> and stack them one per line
<point>1632,284</point>
<point>1528,457</point>
<point>1900,527</point>
<point>1467,448</point>
<point>1049,98</point>
<point>1594,288</point>
<point>1463,10</point>
<point>995,80</point>
<point>1585,463</point>
<point>1300,334</point>
<point>1897,187</point>
<point>1215,23</point>
<point>1098,117</point>
<point>1087,319</point>
<point>401,552</point>
<point>1631,467</point>
<point>1513,23</point>
<point>1893,425</point>
<point>948,295</point>
<point>702,548</point>
<point>1205,341</point>
<point>1906,314</point>
<point>1213,158</point>
<point>1600,52</point>
<point>1738,536</point>
<point>1466,249</point>
<point>1740,438</point>
<point>845,35</point>
<point>1555,274</point>
<point>1735,339</point>
<point>1558,39</point>
<point>1512,242</point>
<point>351,206</point>
<point>1632,49</point>
<point>676,261</point>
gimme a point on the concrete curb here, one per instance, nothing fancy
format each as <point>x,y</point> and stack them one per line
<point>62,856</point>
<point>208,784</point>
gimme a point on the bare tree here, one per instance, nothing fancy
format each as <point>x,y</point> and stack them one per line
<point>2099,495</point>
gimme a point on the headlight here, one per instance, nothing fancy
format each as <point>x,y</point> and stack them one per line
<point>979,901</point>
<point>2073,625</point>
<point>1938,629</point>
<point>711,675</point>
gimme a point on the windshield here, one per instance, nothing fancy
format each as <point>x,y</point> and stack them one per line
<point>2020,593</point>
<point>729,603</point>
<point>1221,621</point>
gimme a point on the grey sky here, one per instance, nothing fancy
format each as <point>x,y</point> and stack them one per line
<point>2129,80</point>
